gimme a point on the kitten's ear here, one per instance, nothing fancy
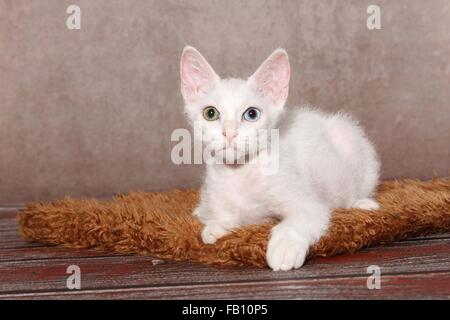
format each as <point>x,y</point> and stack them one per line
<point>272,77</point>
<point>197,76</point>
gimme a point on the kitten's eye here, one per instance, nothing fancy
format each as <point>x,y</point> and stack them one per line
<point>251,114</point>
<point>210,113</point>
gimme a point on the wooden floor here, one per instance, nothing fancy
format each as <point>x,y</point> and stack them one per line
<point>417,268</point>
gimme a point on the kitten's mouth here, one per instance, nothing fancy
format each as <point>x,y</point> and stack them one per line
<point>234,147</point>
<point>232,151</point>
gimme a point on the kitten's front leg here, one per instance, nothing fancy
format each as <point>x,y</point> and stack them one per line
<point>216,224</point>
<point>213,231</point>
<point>290,240</point>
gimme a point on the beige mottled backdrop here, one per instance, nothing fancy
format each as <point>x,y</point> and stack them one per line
<point>90,111</point>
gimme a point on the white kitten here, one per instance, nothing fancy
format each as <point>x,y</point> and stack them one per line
<point>325,161</point>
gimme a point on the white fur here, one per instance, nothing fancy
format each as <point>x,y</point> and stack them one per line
<point>325,161</point>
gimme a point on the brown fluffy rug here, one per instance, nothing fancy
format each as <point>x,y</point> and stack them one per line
<point>160,224</point>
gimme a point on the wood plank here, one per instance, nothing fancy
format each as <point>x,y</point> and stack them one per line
<point>8,213</point>
<point>19,250</point>
<point>445,235</point>
<point>50,252</point>
<point>20,243</point>
<point>408,286</point>
<point>9,231</point>
<point>8,220</point>
<point>124,271</point>
<point>12,239</point>
<point>9,208</point>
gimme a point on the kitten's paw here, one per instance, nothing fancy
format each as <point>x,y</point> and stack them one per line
<point>197,212</point>
<point>212,232</point>
<point>286,249</point>
<point>366,204</point>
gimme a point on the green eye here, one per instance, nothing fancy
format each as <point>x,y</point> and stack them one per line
<point>210,113</point>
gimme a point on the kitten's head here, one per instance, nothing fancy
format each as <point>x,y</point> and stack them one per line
<point>232,110</point>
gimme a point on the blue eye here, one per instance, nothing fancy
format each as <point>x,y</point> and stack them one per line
<point>251,114</point>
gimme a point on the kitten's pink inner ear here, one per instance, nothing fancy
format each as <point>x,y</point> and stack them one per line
<point>272,77</point>
<point>197,76</point>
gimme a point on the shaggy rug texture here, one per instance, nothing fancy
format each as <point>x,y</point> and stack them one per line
<point>160,224</point>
